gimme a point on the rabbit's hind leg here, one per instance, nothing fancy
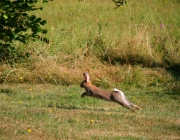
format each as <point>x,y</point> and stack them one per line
<point>135,106</point>
<point>129,107</point>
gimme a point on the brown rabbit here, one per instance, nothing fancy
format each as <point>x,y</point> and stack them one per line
<point>115,96</point>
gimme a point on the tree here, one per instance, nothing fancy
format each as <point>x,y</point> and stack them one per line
<point>16,24</point>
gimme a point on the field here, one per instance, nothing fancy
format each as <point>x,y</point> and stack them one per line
<point>134,48</point>
<point>53,112</point>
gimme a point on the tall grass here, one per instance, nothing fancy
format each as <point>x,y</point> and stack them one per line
<point>93,36</point>
<point>136,33</point>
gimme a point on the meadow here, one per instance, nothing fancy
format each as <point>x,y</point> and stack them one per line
<point>57,112</point>
<point>134,48</point>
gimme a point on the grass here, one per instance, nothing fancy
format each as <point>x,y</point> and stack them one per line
<point>92,35</point>
<point>58,112</point>
<point>133,48</point>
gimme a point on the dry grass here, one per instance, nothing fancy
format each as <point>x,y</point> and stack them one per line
<point>45,70</point>
<point>92,36</point>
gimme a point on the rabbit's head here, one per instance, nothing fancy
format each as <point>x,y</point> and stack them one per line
<point>86,82</point>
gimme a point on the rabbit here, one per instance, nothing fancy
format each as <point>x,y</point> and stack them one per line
<point>115,96</point>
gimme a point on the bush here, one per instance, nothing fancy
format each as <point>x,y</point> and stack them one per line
<point>16,24</point>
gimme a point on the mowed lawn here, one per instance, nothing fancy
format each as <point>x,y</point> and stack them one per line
<point>58,112</point>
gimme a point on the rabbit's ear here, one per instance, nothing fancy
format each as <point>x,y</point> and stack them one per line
<point>86,76</point>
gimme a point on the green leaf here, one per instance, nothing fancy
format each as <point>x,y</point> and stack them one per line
<point>25,14</point>
<point>43,22</point>
<point>32,17</point>
<point>44,31</point>
<point>5,16</point>
<point>38,20</point>
<point>45,1</point>
<point>15,35</point>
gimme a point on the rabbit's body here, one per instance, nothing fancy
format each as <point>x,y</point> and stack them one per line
<point>96,92</point>
<point>115,96</point>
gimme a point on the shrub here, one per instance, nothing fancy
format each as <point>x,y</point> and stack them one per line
<point>17,24</point>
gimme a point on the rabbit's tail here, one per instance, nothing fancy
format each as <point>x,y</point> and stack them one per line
<point>123,96</point>
<point>117,90</point>
<point>126,101</point>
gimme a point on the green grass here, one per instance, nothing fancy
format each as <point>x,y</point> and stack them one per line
<point>128,48</point>
<point>92,35</point>
<point>94,27</point>
<point>58,112</point>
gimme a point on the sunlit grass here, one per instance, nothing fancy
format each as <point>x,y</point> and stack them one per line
<point>127,48</point>
<point>60,113</point>
<point>92,35</point>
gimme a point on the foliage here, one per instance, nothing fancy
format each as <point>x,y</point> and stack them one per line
<point>16,24</point>
<point>119,2</point>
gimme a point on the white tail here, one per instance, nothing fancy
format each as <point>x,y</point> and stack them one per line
<point>123,96</point>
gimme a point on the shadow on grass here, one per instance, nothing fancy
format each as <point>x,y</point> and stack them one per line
<point>119,138</point>
<point>6,91</point>
<point>81,108</point>
<point>94,109</point>
<point>174,86</point>
<point>174,70</point>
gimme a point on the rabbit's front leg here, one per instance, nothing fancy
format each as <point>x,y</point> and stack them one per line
<point>85,93</point>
